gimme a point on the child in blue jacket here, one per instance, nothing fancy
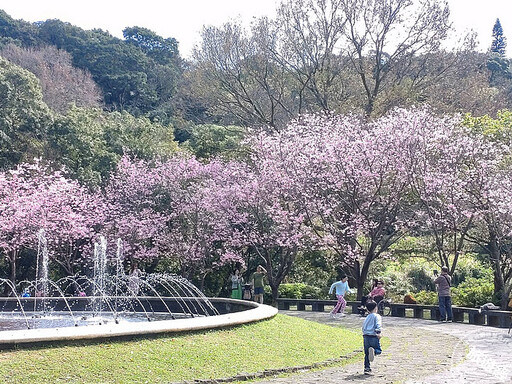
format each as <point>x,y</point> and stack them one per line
<point>372,327</point>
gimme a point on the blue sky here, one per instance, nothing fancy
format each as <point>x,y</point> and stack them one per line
<point>183,19</point>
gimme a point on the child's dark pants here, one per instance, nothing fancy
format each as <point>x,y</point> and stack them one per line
<point>370,341</point>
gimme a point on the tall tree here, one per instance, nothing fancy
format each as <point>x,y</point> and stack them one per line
<point>492,197</point>
<point>499,41</point>
<point>333,55</point>
<point>32,197</point>
<point>265,221</point>
<point>238,79</point>
<point>18,32</point>
<point>497,63</point>
<point>130,79</point>
<point>89,142</point>
<point>443,179</point>
<point>163,51</point>
<point>305,41</point>
<point>62,84</point>
<point>351,180</point>
<point>131,212</point>
<point>384,36</point>
<point>24,117</point>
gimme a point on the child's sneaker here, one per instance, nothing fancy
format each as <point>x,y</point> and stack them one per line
<point>332,315</point>
<point>341,314</point>
<point>367,371</point>
<point>371,354</point>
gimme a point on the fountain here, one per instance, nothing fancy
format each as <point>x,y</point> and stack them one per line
<point>112,304</point>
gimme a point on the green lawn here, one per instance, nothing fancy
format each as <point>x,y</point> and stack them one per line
<point>280,342</point>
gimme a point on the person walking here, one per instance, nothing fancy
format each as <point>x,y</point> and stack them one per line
<point>443,283</point>
<point>341,288</point>
<point>372,328</point>
<point>258,283</point>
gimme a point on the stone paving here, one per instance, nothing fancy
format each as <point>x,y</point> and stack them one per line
<point>421,352</point>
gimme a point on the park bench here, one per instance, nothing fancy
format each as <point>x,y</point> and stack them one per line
<point>493,318</point>
<point>316,304</point>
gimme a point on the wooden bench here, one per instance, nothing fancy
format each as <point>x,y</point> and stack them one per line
<point>497,318</point>
<point>316,304</point>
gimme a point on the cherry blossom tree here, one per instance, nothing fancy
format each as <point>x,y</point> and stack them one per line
<point>353,180</point>
<point>498,219</point>
<point>131,212</point>
<point>196,233</point>
<point>262,215</point>
<point>490,194</point>
<point>32,197</point>
<point>166,210</point>
<point>446,162</point>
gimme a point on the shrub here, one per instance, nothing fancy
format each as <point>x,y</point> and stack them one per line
<point>301,291</point>
<point>473,293</point>
<point>310,292</point>
<point>421,278</point>
<point>267,294</point>
<point>291,291</point>
<point>470,267</point>
<point>426,297</point>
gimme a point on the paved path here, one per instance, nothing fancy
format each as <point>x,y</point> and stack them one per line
<point>421,352</point>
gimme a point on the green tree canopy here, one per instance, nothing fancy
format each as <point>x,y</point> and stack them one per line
<point>24,117</point>
<point>90,142</point>
<point>208,141</point>
<point>163,51</point>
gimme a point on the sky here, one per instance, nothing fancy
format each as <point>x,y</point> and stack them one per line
<point>184,19</point>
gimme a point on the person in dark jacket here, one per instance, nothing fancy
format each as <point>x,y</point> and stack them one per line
<point>443,283</point>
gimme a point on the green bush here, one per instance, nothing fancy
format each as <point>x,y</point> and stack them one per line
<point>291,291</point>
<point>473,293</point>
<point>421,278</point>
<point>267,294</point>
<point>309,292</point>
<point>426,297</point>
<point>469,267</point>
<point>301,291</point>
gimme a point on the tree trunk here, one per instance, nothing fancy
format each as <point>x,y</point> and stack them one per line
<point>494,256</point>
<point>275,289</point>
<point>505,298</point>
<point>360,275</point>
<point>13,268</point>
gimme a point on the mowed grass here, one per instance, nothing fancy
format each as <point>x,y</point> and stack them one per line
<point>283,341</point>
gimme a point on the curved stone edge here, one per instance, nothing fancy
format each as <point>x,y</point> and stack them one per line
<point>277,371</point>
<point>256,313</point>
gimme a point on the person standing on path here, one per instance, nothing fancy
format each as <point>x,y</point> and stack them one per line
<point>443,283</point>
<point>341,287</point>
<point>372,327</point>
<point>134,278</point>
<point>258,283</point>
<point>236,284</point>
